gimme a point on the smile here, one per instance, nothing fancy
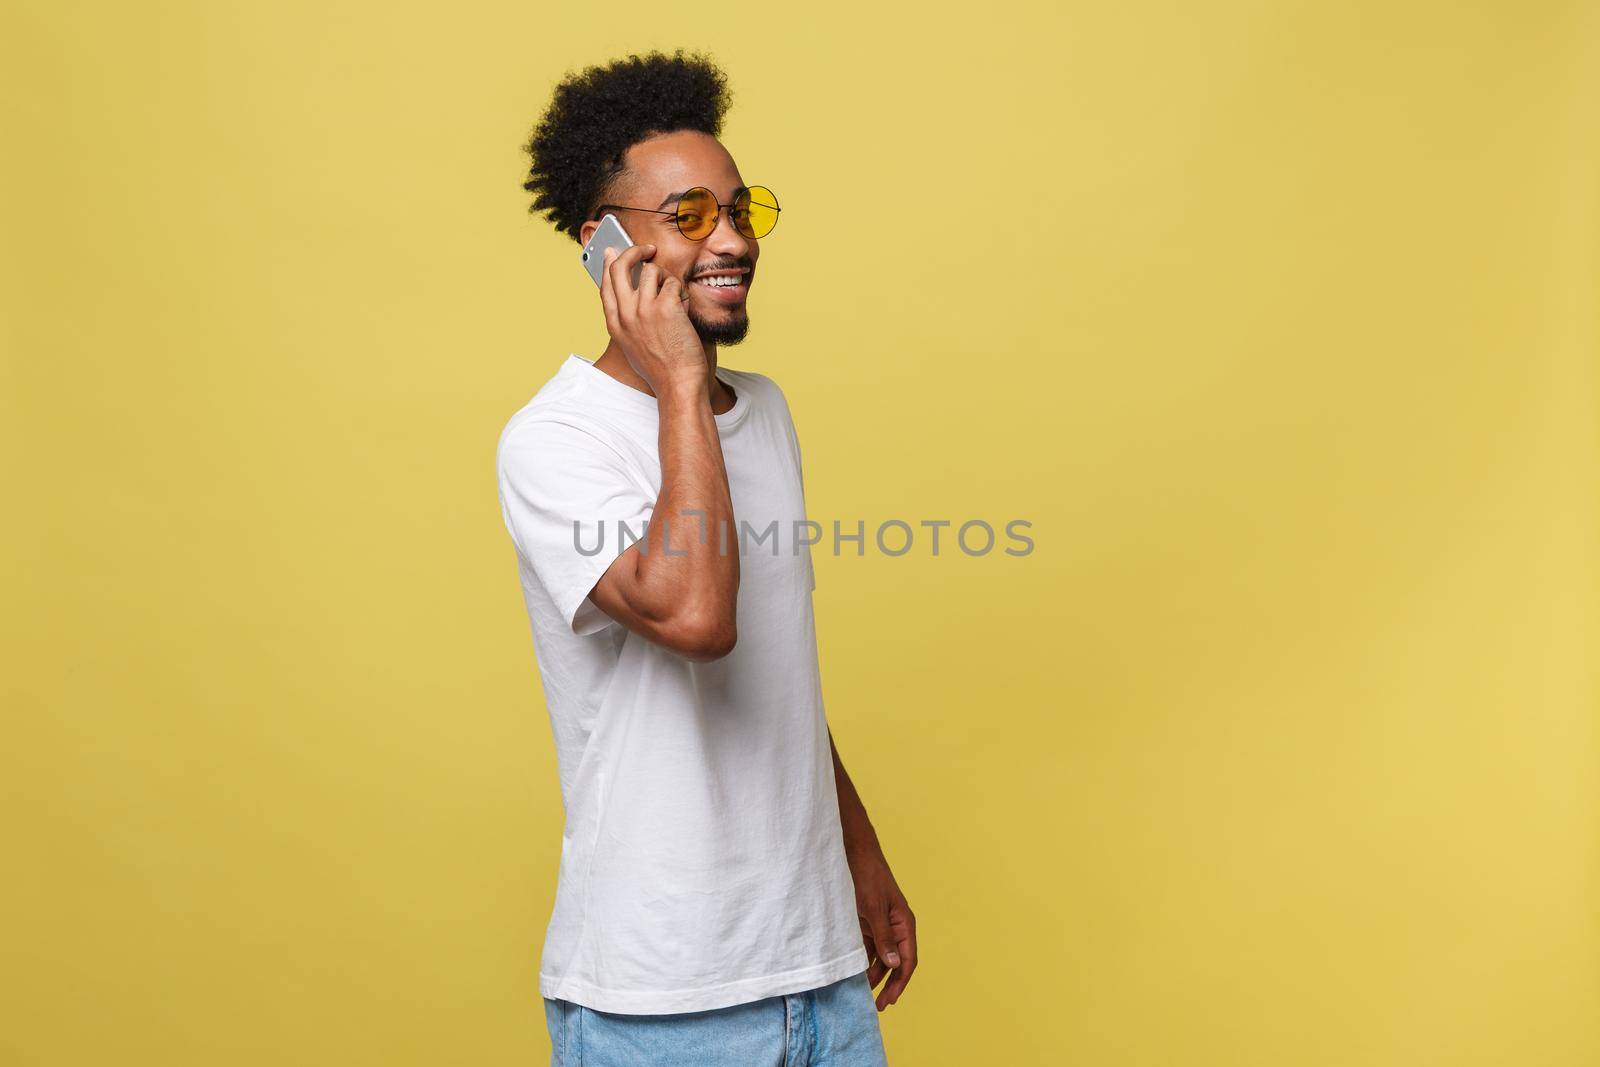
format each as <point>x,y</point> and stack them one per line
<point>724,289</point>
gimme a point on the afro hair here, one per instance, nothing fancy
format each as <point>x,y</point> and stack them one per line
<point>597,115</point>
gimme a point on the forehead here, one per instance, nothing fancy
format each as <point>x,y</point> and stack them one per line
<point>678,161</point>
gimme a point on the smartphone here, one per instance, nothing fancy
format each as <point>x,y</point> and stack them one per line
<point>609,234</point>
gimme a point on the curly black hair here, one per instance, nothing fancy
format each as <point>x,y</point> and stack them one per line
<point>598,114</point>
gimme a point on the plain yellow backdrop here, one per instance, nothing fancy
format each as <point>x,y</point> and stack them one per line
<point>1276,320</point>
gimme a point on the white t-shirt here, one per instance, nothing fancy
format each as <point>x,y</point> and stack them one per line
<point>702,863</point>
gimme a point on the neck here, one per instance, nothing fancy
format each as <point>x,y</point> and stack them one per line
<point>614,363</point>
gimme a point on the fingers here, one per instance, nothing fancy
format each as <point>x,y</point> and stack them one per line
<point>883,940</point>
<point>876,968</point>
<point>875,971</point>
<point>620,268</point>
<point>649,284</point>
<point>905,933</point>
<point>608,299</point>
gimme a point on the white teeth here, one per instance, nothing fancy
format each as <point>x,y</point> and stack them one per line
<point>720,281</point>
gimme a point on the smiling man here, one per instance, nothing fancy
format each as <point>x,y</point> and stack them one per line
<point>722,896</point>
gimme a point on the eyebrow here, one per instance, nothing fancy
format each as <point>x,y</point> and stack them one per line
<point>672,198</point>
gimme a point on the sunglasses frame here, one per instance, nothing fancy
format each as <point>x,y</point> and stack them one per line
<point>742,197</point>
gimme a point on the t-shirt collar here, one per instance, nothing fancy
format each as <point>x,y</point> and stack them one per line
<point>644,402</point>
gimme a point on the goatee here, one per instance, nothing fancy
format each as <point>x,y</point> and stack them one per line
<point>729,331</point>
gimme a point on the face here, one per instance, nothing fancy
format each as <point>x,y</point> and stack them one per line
<point>674,163</point>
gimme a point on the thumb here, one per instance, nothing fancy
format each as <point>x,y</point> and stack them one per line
<point>883,937</point>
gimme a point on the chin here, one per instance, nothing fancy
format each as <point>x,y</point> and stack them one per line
<point>728,332</point>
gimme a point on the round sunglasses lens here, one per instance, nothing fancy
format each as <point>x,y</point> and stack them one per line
<point>756,211</point>
<point>697,214</point>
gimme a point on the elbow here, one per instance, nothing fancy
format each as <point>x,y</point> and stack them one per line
<point>705,638</point>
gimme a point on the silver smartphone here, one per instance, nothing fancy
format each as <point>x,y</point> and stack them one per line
<point>609,234</point>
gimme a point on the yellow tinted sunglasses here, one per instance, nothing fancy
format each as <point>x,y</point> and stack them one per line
<point>754,211</point>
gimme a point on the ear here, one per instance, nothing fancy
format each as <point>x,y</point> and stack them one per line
<point>586,231</point>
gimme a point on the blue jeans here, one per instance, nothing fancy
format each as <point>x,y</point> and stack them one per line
<point>830,1026</point>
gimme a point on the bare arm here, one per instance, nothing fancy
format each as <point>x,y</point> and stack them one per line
<point>681,590</point>
<point>860,839</point>
<point>888,928</point>
<point>677,587</point>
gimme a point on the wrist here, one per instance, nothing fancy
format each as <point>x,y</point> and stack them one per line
<point>684,386</point>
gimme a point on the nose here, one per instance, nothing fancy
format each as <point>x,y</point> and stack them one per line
<point>726,238</point>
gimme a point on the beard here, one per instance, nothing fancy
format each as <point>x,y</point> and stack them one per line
<point>728,330</point>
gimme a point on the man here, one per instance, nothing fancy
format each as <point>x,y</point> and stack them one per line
<point>722,897</point>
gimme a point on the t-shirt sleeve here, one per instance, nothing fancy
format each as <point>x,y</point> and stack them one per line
<point>552,477</point>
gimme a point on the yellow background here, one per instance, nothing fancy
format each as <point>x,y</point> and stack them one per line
<point>1276,320</point>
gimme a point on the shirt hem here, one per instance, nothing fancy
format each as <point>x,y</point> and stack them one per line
<point>705,998</point>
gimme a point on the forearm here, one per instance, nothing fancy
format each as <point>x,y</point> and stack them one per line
<point>683,567</point>
<point>860,839</point>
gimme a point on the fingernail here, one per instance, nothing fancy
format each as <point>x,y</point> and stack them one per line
<point>892,959</point>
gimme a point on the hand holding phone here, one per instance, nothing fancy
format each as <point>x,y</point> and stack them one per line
<point>649,320</point>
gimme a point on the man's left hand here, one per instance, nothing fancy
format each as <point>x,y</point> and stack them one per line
<point>888,928</point>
